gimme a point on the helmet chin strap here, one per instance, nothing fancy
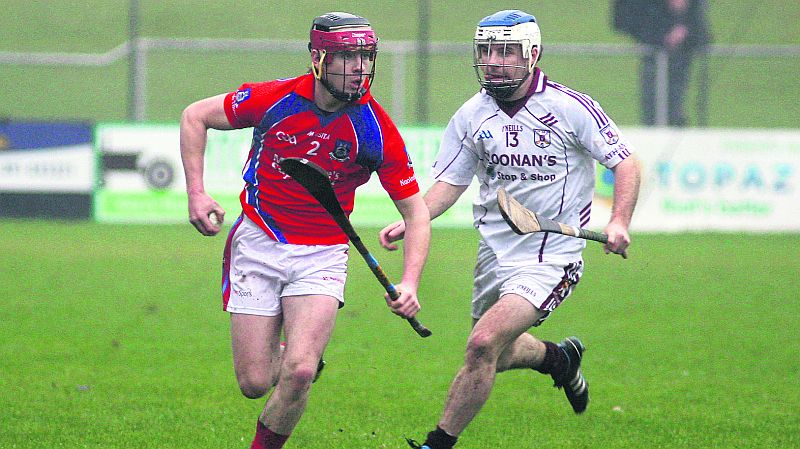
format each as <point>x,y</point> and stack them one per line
<point>503,92</point>
<point>318,71</point>
<point>343,96</point>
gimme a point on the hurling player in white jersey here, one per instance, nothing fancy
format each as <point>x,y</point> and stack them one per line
<point>540,141</point>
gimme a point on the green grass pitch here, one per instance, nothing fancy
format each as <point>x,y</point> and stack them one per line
<point>113,337</point>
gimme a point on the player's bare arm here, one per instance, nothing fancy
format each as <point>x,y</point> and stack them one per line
<point>627,177</point>
<point>196,120</point>
<point>418,236</point>
<point>440,197</point>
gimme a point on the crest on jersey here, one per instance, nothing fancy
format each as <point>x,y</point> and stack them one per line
<point>610,134</point>
<point>341,151</point>
<point>242,95</point>
<point>541,138</point>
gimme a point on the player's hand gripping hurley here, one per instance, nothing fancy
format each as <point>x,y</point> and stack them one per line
<point>316,181</point>
<point>524,221</point>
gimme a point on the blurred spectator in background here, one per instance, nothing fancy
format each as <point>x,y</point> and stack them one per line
<point>678,27</point>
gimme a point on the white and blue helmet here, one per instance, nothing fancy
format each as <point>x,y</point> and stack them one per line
<point>508,27</point>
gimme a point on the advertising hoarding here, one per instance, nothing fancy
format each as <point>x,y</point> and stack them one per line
<point>693,179</point>
<point>46,169</point>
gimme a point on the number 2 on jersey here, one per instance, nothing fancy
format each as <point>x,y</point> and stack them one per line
<point>314,148</point>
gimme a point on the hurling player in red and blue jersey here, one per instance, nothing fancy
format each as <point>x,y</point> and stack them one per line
<point>285,260</point>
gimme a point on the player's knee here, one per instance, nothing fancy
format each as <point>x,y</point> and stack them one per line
<point>298,377</point>
<point>252,390</point>
<point>481,348</point>
<point>253,385</point>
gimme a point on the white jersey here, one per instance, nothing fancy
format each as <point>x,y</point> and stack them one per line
<point>544,155</point>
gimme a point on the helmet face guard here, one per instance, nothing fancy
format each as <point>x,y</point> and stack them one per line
<point>347,48</point>
<point>498,66</point>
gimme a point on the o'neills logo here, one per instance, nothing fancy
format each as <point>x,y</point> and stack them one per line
<point>407,181</point>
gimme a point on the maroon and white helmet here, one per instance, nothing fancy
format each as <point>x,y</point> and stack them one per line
<point>341,32</point>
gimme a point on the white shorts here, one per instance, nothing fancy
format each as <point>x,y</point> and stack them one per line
<point>258,271</point>
<point>545,286</point>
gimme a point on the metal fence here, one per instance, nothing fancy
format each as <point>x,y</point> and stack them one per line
<point>137,50</point>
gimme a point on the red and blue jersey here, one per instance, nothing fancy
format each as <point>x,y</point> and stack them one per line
<point>349,144</point>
